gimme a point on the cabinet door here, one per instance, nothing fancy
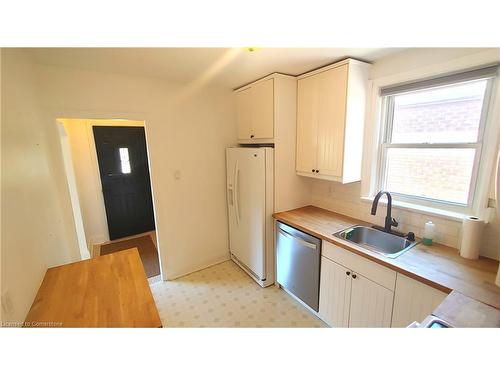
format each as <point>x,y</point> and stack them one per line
<point>334,293</point>
<point>413,301</point>
<point>307,124</point>
<point>244,113</point>
<point>263,110</point>
<point>371,304</point>
<point>332,90</point>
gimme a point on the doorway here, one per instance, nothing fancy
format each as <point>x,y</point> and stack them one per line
<point>124,172</point>
<point>113,185</point>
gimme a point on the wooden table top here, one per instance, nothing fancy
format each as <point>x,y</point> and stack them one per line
<point>106,291</point>
<point>438,266</point>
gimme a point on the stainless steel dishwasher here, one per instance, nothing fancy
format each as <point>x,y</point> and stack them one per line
<point>298,257</point>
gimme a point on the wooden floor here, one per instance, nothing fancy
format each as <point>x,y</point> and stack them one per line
<point>147,252</point>
<point>96,248</point>
<point>107,291</point>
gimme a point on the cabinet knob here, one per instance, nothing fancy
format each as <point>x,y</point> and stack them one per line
<point>313,170</point>
<point>251,136</point>
<point>347,273</point>
<point>353,276</point>
<point>317,170</point>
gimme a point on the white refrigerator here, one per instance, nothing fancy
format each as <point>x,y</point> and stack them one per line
<point>250,201</point>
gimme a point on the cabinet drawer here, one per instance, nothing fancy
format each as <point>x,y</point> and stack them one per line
<point>371,270</point>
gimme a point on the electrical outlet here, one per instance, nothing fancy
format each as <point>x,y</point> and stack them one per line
<point>492,203</point>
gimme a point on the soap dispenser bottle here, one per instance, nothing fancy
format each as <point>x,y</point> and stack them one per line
<point>428,233</point>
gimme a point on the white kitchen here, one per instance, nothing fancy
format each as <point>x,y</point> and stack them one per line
<point>222,193</point>
<point>357,194</point>
<point>406,263</point>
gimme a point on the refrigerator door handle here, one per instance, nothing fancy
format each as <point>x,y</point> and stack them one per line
<point>236,192</point>
<point>230,193</point>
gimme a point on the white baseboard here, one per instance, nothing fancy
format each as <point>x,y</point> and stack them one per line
<point>199,267</point>
<point>263,284</point>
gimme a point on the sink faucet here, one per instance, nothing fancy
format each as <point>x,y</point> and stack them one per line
<point>389,220</point>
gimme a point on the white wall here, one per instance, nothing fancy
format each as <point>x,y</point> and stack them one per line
<point>345,199</point>
<point>37,224</point>
<point>73,191</point>
<point>414,59</point>
<point>187,129</point>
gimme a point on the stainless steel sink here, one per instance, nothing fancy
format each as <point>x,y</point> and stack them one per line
<point>387,244</point>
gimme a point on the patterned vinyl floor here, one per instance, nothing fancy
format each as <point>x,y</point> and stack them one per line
<point>225,296</point>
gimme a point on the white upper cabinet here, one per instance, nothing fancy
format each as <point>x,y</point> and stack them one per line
<point>330,121</point>
<point>244,113</point>
<point>266,113</point>
<point>255,112</point>
<point>307,117</point>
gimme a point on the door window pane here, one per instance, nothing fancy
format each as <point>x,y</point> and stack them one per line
<point>449,114</point>
<point>124,160</point>
<point>435,173</point>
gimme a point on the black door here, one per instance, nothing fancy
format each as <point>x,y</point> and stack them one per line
<point>123,166</point>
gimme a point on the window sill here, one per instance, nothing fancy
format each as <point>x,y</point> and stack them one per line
<point>445,214</point>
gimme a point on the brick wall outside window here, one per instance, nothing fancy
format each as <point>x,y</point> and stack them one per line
<point>440,174</point>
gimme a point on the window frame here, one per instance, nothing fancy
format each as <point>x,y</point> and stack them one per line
<point>386,121</point>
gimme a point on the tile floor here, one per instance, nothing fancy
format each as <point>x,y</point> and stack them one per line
<point>225,296</point>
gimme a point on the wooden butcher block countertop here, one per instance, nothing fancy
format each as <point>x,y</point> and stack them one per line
<point>438,266</point>
<point>465,312</point>
<point>106,291</point>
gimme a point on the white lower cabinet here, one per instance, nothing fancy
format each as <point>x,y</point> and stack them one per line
<point>348,299</point>
<point>371,304</point>
<point>413,301</point>
<point>357,292</point>
<point>334,293</point>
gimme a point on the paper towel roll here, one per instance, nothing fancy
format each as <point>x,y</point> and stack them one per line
<point>472,233</point>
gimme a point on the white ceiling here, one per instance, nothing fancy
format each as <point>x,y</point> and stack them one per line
<point>220,66</point>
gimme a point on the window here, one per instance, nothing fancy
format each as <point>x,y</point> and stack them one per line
<point>124,160</point>
<point>432,138</point>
